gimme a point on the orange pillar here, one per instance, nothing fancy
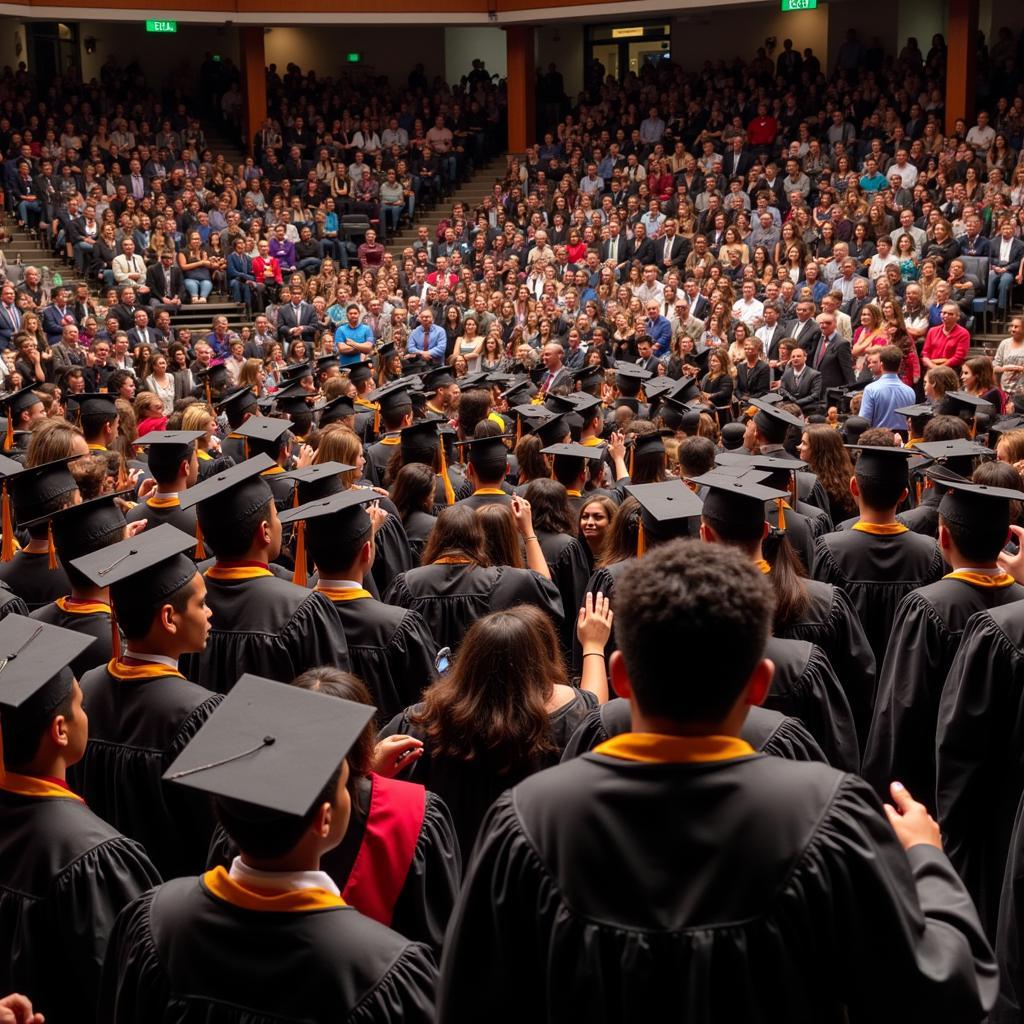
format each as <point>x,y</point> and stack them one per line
<point>961,60</point>
<point>254,81</point>
<point>522,115</point>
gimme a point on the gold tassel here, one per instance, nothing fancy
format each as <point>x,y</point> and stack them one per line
<point>917,491</point>
<point>641,540</point>
<point>299,575</point>
<point>123,480</point>
<point>51,551</point>
<point>781,504</point>
<point>7,545</point>
<point>376,419</point>
<point>449,491</point>
<point>9,438</point>
<point>519,429</point>
<point>115,633</point>
<point>973,429</point>
<point>245,448</point>
<point>632,449</point>
<point>200,549</point>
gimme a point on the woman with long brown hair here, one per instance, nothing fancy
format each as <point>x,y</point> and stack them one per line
<point>413,496</point>
<point>822,449</point>
<point>505,711</point>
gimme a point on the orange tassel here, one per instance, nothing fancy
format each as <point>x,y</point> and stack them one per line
<point>245,448</point>
<point>209,394</point>
<point>299,575</point>
<point>123,480</point>
<point>7,545</point>
<point>519,429</point>
<point>9,437</point>
<point>973,430</point>
<point>449,491</point>
<point>917,491</point>
<point>781,503</point>
<point>200,549</point>
<point>641,540</point>
<point>115,633</point>
<point>51,551</point>
<point>631,451</point>
<point>376,419</point>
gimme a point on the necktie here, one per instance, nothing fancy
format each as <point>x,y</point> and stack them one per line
<point>613,250</point>
<point>668,248</point>
<point>14,317</point>
<point>426,340</point>
<point>821,351</point>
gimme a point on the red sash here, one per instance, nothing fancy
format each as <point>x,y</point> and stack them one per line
<point>389,842</point>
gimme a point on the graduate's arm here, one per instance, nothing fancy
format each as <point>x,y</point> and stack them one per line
<point>594,627</point>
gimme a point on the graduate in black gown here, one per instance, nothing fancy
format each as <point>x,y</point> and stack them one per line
<point>773,895</point>
<point>271,436</point>
<point>174,464</point>
<point>395,415</point>
<point>34,573</point>
<point>486,467</point>
<point>79,530</point>
<point>1009,939</point>
<point>270,938</point>
<point>260,622</point>
<point>390,648</point>
<point>237,406</point>
<point>64,872</point>
<point>399,862</point>
<point>142,711</point>
<point>878,561</point>
<point>455,585</point>
<point>974,521</point>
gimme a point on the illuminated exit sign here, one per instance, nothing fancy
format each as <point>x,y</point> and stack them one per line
<point>172,26</point>
<point>799,5</point>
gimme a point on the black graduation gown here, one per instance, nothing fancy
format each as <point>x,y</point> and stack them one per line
<point>10,603</point>
<point>65,874</point>
<point>979,751</point>
<point>876,573</point>
<point>451,597</point>
<point>819,519</point>
<point>748,889</point>
<point>798,529</point>
<point>601,582</point>
<point>767,731</point>
<point>233,446</point>
<point>182,518</point>
<point>280,486</point>
<point>479,499</point>
<point>392,553</point>
<point>468,789</point>
<point>831,622</point>
<point>181,954</point>
<point>570,571</point>
<point>424,903</point>
<point>1009,1008</point>
<point>461,487</point>
<point>266,626</point>
<point>90,623</point>
<point>378,457</point>
<point>924,517</point>
<point>29,577</point>
<point>418,526</point>
<point>925,636</point>
<point>137,727</point>
<point>390,648</point>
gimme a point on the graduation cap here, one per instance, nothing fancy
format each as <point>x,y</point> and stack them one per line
<point>498,378</point>
<point>573,450</point>
<point>958,448</point>
<point>419,442</point>
<point>471,381</point>
<point>921,411</point>
<point>385,351</point>
<point>358,372</point>
<point>319,480</point>
<point>586,405</point>
<point>588,376</point>
<point>34,488</point>
<point>393,397</point>
<point>341,516</point>
<point>78,528</point>
<point>176,443</point>
<point>269,749</point>
<point>292,400</point>
<point>630,377</point>
<point>885,463</point>
<point>216,374</point>
<point>264,433</point>
<point>684,390</point>
<point>327,362</point>
<point>963,403</point>
<point>1003,426</point>
<point>979,506</point>
<point>295,372</point>
<point>732,435</point>
<point>769,418</point>
<point>652,443</point>
<point>483,451</point>
<point>519,391</point>
<point>8,468</point>
<point>738,500</point>
<point>35,676</point>
<point>665,510</point>
<point>438,377</point>
<point>553,430</point>
<point>234,493</point>
<point>237,401</point>
<point>768,463</point>
<point>144,569</point>
<point>659,387</point>
<point>13,404</point>
<point>335,409</point>
<point>537,373</point>
<point>98,403</point>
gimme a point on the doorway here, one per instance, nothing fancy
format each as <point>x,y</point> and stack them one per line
<point>624,48</point>
<point>52,49</point>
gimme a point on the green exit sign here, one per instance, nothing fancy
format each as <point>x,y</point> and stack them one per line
<point>353,58</point>
<point>172,26</point>
<point>799,5</point>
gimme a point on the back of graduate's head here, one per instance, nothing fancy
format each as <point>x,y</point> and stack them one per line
<point>621,538</point>
<point>474,405</point>
<point>979,538</point>
<point>232,527</point>
<point>49,716</point>
<point>501,539</point>
<point>335,550</point>
<point>687,604</point>
<point>696,456</point>
<point>457,533</point>
<point>140,611</point>
<point>878,489</point>
<point>168,461</point>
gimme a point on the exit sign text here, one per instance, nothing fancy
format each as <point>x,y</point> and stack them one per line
<point>172,26</point>
<point>799,5</point>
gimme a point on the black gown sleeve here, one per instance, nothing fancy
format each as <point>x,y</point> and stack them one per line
<point>570,571</point>
<point>314,637</point>
<point>411,654</point>
<point>392,553</point>
<point>425,903</point>
<point>1009,1008</point>
<point>405,995</point>
<point>792,742</point>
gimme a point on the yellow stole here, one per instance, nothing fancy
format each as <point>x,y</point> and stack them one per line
<point>655,748</point>
<point>880,529</point>
<point>73,606</point>
<point>981,579</point>
<point>147,670</point>
<point>220,884</point>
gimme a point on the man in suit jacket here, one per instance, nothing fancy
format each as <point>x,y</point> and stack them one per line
<point>800,383</point>
<point>166,281</point>
<point>804,329</point>
<point>10,315</point>
<point>1007,268</point>
<point>617,250</point>
<point>672,249</point>
<point>295,318</point>
<point>124,310</point>
<point>60,312</point>
<point>832,358</point>
<point>643,248</point>
<point>771,332</point>
<point>144,333</point>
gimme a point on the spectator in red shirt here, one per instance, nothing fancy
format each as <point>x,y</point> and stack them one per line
<point>947,344</point>
<point>371,252</point>
<point>763,129</point>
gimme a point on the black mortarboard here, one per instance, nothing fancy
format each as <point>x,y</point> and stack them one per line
<point>292,400</point>
<point>341,515</point>
<point>576,451</point>
<point>958,448</point>
<point>767,463</point>
<point>318,480</point>
<point>652,443</point>
<point>178,442</point>
<point>216,374</point>
<point>385,351</point>
<point>586,405</point>
<point>737,500</point>
<point>34,488</point>
<point>537,373</point>
<point>472,381</point>
<point>732,435</point>
<point>553,430</point>
<point>90,403</point>
<point>264,433</point>
<point>659,387</point>
<point>77,529</point>
<point>233,494</point>
<point>295,372</point>
<point>974,505</point>
<point>665,508</point>
<point>393,397</point>
<point>882,462</point>
<point>684,390</point>
<point>588,376</point>
<point>438,377</point>
<point>519,391</point>
<point>327,362</point>
<point>335,409</point>
<point>853,427</point>
<point>1003,426</point>
<point>146,568</point>
<point>485,450</point>
<point>963,403</point>
<point>358,372</point>
<point>237,400</point>
<point>531,416</point>
<point>631,373</point>
<point>768,417</point>
<point>419,441</point>
<point>34,660</point>
<point>916,412</point>
<point>270,747</point>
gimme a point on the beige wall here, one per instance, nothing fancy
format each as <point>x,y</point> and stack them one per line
<point>562,44</point>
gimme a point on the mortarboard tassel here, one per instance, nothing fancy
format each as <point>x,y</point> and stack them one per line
<point>200,549</point>
<point>632,449</point>
<point>209,395</point>
<point>9,436</point>
<point>449,491</point>
<point>299,574</point>
<point>376,418</point>
<point>7,544</point>
<point>115,634</point>
<point>973,429</point>
<point>917,491</point>
<point>641,540</point>
<point>781,505</point>
<point>519,429</point>
<point>245,448</point>
<point>51,551</point>
<point>123,480</point>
